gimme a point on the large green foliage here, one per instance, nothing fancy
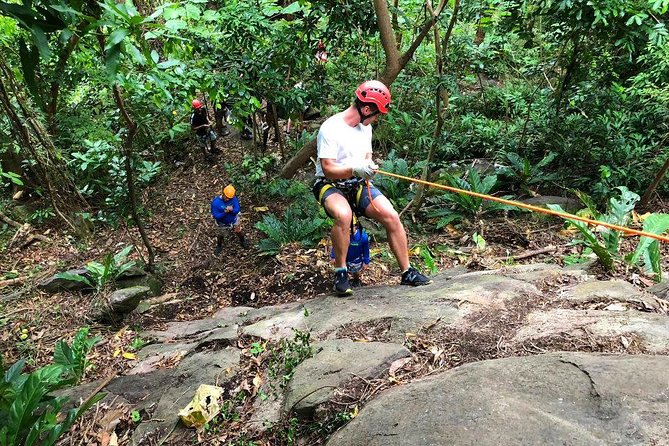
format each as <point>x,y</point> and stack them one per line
<point>29,413</point>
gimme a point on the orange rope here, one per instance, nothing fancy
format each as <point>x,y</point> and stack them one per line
<point>530,207</point>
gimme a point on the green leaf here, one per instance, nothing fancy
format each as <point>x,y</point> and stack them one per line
<point>168,63</point>
<point>175,25</point>
<point>122,255</point>
<point>112,59</point>
<point>29,61</point>
<point>74,278</point>
<point>116,37</point>
<point>41,42</point>
<point>135,53</point>
<point>292,8</point>
<point>590,239</point>
<point>654,224</point>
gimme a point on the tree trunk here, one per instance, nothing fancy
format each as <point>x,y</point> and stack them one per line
<point>568,75</point>
<point>49,167</point>
<point>131,125</point>
<point>395,63</point>
<point>441,101</point>
<point>658,178</point>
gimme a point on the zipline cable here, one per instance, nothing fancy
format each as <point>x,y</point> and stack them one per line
<point>529,207</point>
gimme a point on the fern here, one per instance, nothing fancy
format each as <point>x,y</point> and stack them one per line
<point>297,225</point>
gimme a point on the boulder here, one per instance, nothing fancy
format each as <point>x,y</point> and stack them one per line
<point>334,363</point>
<point>125,300</point>
<point>554,399</point>
<point>55,284</point>
<point>568,204</point>
<point>146,280</point>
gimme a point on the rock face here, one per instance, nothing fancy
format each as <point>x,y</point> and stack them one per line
<point>558,398</point>
<point>333,364</point>
<point>125,300</point>
<point>55,284</point>
<point>555,399</point>
<point>568,204</point>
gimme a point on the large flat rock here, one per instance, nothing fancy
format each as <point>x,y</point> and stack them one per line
<point>448,300</point>
<point>651,328</point>
<point>556,399</point>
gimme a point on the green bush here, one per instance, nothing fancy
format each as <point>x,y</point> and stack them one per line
<point>101,274</point>
<point>460,206</point>
<point>605,243</point>
<point>29,413</point>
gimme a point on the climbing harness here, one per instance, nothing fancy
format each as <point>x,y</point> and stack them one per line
<point>530,207</point>
<point>351,189</point>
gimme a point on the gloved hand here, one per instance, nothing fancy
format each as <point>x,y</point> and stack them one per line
<point>365,169</point>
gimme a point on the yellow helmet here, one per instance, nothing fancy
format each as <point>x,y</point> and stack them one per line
<point>229,191</point>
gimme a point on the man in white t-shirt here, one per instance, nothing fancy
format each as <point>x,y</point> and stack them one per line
<point>342,186</point>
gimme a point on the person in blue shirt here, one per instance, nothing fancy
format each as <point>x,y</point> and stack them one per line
<point>225,210</point>
<point>357,257</point>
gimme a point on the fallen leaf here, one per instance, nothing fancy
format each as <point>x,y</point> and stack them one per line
<point>398,364</point>
<point>436,352</point>
<point>116,353</point>
<point>261,209</point>
<point>625,342</point>
<point>128,355</point>
<point>257,381</point>
<point>113,439</point>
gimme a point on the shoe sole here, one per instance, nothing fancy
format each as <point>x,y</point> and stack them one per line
<point>416,284</point>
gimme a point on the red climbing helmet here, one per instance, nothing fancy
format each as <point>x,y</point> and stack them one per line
<point>197,103</point>
<point>375,92</point>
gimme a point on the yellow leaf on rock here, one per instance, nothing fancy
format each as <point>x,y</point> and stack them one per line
<point>128,355</point>
<point>355,411</point>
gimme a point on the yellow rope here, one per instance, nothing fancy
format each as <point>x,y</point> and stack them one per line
<point>529,207</point>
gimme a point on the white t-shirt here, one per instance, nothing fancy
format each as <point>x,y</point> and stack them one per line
<point>345,144</point>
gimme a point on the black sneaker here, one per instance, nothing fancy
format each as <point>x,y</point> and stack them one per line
<point>218,250</point>
<point>356,283</point>
<point>412,277</point>
<point>341,285</point>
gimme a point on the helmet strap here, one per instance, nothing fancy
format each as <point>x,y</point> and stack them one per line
<point>363,117</point>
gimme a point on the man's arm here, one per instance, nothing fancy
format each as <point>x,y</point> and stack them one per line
<point>335,172</point>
